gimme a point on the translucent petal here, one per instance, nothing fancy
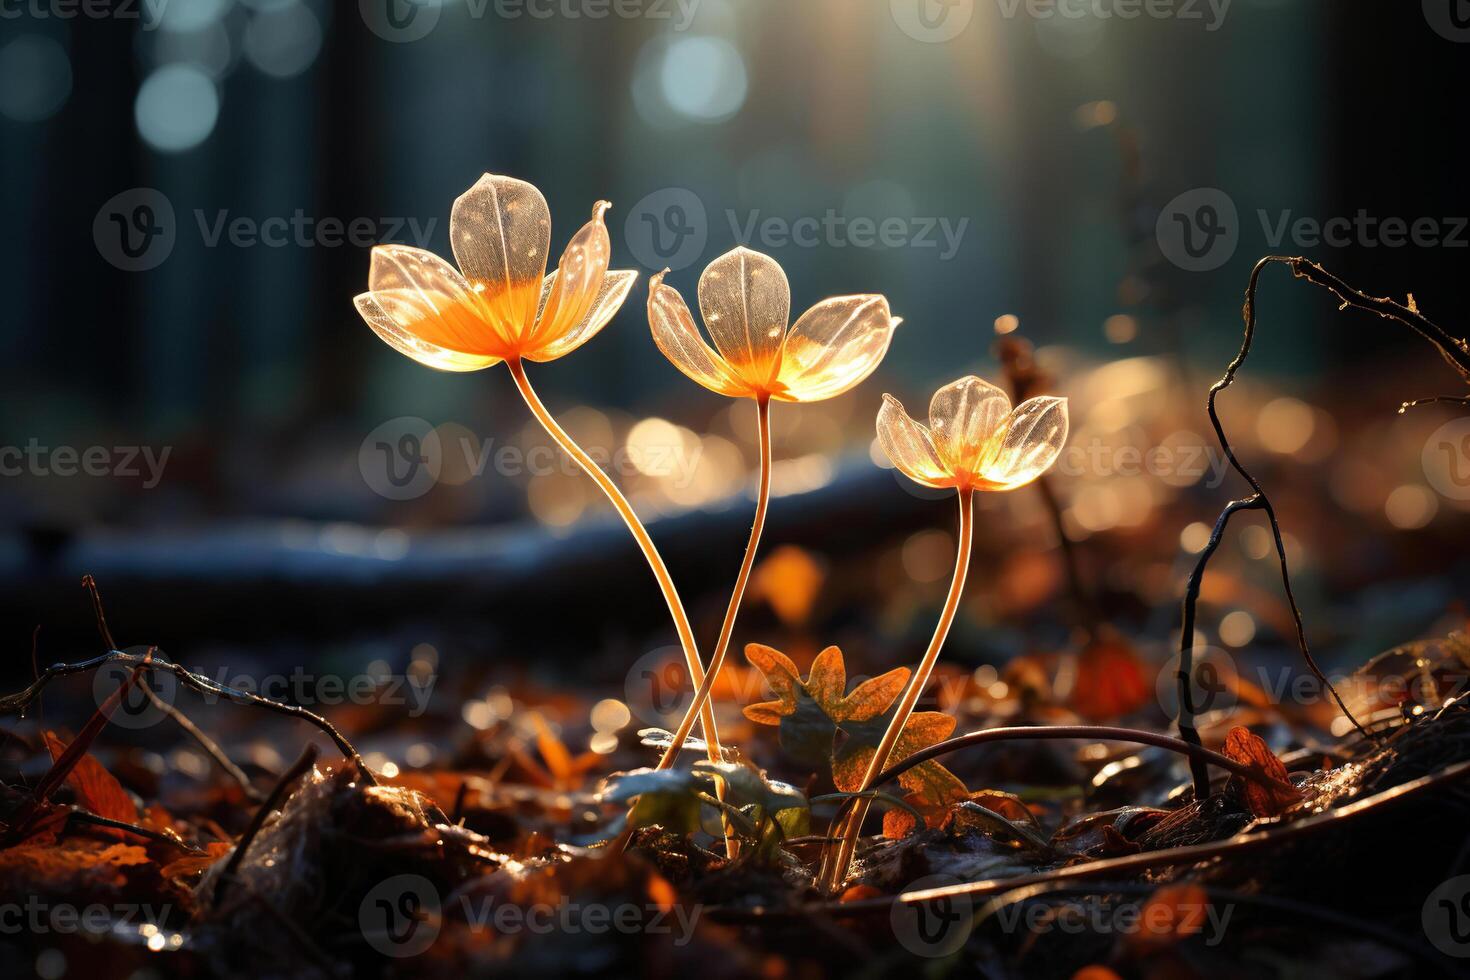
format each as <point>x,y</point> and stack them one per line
<point>1031,442</point>
<point>501,231</point>
<point>910,447</point>
<point>675,334</point>
<point>575,283</point>
<point>965,416</point>
<point>428,297</point>
<point>834,346</point>
<point>746,303</point>
<point>605,302</point>
<point>389,325</point>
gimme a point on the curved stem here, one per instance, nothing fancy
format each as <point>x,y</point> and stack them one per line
<point>836,871</point>
<point>640,534</point>
<point>717,659</point>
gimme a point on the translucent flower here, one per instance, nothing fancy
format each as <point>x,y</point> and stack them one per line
<point>746,303</point>
<point>496,306</point>
<point>974,439</point>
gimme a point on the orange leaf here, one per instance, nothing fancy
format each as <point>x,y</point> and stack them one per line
<point>96,788</point>
<point>1111,681</point>
<point>1248,749</point>
<point>1172,913</point>
<point>194,863</point>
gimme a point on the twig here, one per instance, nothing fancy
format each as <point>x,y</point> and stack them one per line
<point>1454,351</point>
<point>1194,751</point>
<point>272,802</point>
<point>78,815</point>
<point>1166,857</point>
<point>20,700</point>
<point>210,746</point>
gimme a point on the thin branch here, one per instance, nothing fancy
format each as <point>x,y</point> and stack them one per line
<point>1275,835</point>
<point>78,815</point>
<point>18,702</point>
<point>1453,351</point>
<point>210,746</point>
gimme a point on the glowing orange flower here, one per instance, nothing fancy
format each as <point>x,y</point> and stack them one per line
<point>497,306</point>
<point>974,440</point>
<point>746,303</point>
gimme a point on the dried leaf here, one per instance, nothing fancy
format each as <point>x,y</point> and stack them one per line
<point>192,864</point>
<point>96,788</point>
<point>1111,680</point>
<point>1172,913</point>
<point>1249,749</point>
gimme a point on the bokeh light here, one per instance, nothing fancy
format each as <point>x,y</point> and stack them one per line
<point>35,78</point>
<point>176,108</point>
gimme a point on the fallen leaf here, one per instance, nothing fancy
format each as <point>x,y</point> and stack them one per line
<point>1111,680</point>
<point>96,788</point>
<point>1249,749</point>
<point>1172,913</point>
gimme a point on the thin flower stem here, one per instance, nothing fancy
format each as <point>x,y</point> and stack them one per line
<point>640,534</point>
<point>717,659</point>
<point>836,871</point>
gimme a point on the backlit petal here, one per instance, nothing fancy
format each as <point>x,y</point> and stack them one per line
<point>965,417</point>
<point>606,302</point>
<point>675,334</point>
<point>909,445</point>
<point>1030,443</point>
<point>427,297</point>
<point>501,231</point>
<point>833,347</point>
<point>576,282</point>
<point>746,303</point>
<point>386,312</point>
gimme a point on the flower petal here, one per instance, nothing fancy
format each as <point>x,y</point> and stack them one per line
<point>675,334</point>
<point>834,346</point>
<point>501,232</point>
<point>965,417</point>
<point>746,303</point>
<point>605,302</point>
<point>427,297</point>
<point>386,313</point>
<point>576,281</point>
<point>910,447</point>
<point>1031,442</point>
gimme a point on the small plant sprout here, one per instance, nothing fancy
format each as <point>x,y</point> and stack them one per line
<point>746,302</point>
<point>974,441</point>
<point>500,306</point>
